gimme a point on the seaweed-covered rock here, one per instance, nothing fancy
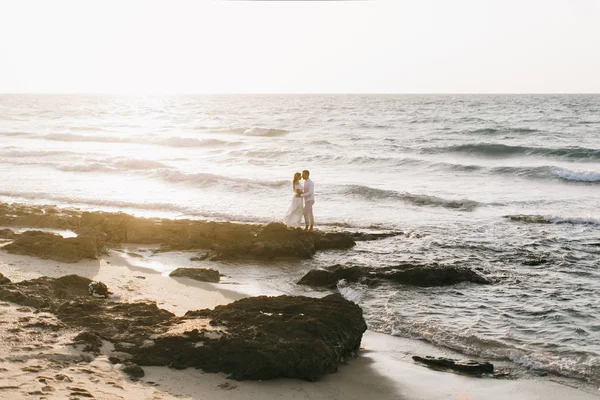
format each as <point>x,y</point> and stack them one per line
<point>253,338</point>
<point>409,274</point>
<point>198,274</point>
<point>470,367</point>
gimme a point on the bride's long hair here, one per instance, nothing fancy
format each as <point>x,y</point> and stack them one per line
<point>296,179</point>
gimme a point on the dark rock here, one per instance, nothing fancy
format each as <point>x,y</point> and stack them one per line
<point>269,337</point>
<point>3,279</point>
<point>254,338</point>
<point>90,340</point>
<point>6,234</point>
<point>328,278</point>
<point>55,247</point>
<point>470,367</point>
<point>201,257</point>
<point>134,371</point>
<point>198,274</point>
<point>409,274</point>
<point>98,289</point>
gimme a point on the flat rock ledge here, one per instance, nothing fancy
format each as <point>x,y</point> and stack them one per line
<point>221,240</point>
<point>198,274</point>
<point>253,338</point>
<point>409,274</point>
<point>54,247</point>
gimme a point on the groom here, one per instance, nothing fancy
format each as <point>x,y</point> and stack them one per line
<point>309,200</point>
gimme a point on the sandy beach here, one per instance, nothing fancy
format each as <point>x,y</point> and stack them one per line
<point>44,365</point>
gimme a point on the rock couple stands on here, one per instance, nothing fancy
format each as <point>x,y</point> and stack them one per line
<point>223,240</point>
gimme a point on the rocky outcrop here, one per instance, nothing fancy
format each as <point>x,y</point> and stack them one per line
<point>3,279</point>
<point>409,274</point>
<point>278,241</point>
<point>198,274</point>
<point>253,338</point>
<point>55,247</point>
<point>224,240</point>
<point>470,367</point>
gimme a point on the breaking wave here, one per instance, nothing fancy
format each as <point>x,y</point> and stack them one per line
<point>256,131</point>
<point>175,141</point>
<point>370,193</point>
<point>206,180</point>
<point>540,219</point>
<point>503,150</point>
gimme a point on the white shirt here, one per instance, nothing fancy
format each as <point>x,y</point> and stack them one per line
<point>309,190</point>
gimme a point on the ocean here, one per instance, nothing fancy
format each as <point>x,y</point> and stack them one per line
<point>507,184</point>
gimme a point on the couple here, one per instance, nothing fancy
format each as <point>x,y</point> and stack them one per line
<point>302,203</point>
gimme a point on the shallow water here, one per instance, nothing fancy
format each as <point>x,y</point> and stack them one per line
<point>449,171</point>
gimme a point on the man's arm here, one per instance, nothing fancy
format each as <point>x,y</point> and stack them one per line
<point>310,191</point>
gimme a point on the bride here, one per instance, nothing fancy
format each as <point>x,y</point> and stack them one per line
<point>294,214</point>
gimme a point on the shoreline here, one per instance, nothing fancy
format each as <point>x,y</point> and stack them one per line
<point>383,367</point>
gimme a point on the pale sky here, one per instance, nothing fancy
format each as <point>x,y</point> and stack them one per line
<point>385,46</point>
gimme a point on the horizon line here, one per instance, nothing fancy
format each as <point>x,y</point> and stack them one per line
<point>291,93</point>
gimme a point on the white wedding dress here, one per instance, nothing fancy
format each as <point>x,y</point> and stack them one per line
<point>294,214</point>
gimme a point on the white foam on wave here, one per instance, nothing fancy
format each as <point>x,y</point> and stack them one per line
<point>206,179</point>
<point>577,176</point>
<point>176,141</point>
<point>257,131</point>
<point>370,193</point>
<point>348,292</point>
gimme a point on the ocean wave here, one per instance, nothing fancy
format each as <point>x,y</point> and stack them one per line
<point>503,150</point>
<point>175,141</point>
<point>576,176</point>
<point>370,193</point>
<point>111,165</point>
<point>495,131</point>
<point>577,365</point>
<point>206,180</point>
<point>15,153</point>
<point>270,132</point>
<point>541,219</point>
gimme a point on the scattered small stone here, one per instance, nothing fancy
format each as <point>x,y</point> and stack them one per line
<point>98,289</point>
<point>8,387</point>
<point>92,342</point>
<point>48,388</point>
<point>140,277</point>
<point>133,370</point>
<point>227,386</point>
<point>63,377</point>
<point>32,368</point>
